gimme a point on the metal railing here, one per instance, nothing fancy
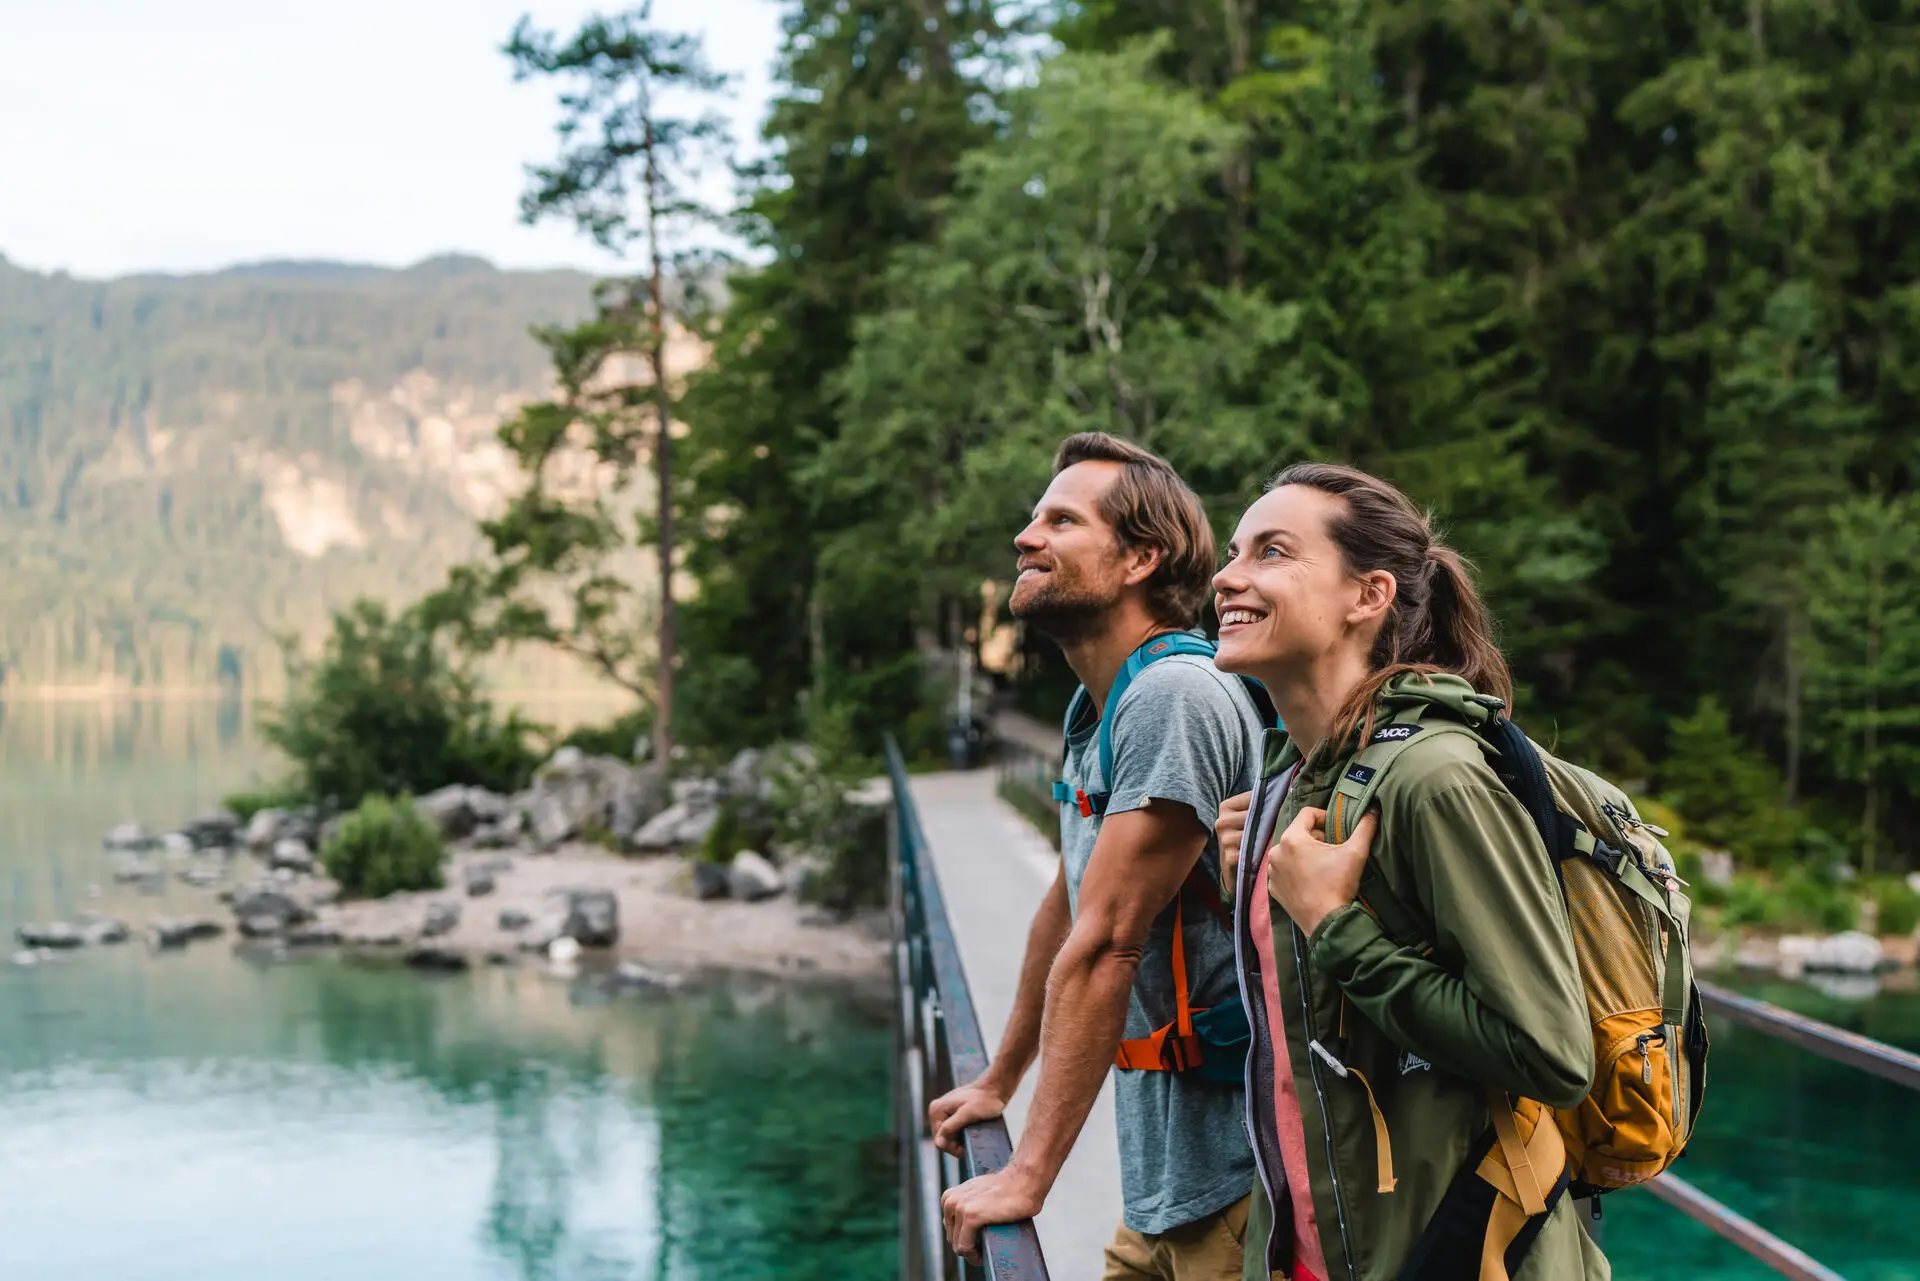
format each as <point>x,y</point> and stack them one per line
<point>937,1043</point>
<point>1838,1044</point>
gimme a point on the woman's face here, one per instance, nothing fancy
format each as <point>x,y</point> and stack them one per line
<point>1285,597</point>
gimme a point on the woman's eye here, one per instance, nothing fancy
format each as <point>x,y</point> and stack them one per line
<point>1270,553</point>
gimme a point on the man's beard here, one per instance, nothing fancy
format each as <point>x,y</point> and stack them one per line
<point>1064,612</point>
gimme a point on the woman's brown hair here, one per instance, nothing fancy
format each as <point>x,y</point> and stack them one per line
<point>1438,622</point>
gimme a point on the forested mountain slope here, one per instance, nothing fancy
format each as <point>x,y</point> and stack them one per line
<point>190,465</point>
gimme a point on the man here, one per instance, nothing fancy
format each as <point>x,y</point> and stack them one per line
<point>1119,551</point>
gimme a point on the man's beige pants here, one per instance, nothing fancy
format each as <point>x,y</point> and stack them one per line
<point>1207,1249</point>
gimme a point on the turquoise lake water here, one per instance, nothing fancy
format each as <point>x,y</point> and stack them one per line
<point>215,1115</point>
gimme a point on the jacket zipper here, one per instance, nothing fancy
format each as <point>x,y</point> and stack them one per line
<point>1320,1096</point>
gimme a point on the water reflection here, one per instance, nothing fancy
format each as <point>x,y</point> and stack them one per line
<point>212,1115</point>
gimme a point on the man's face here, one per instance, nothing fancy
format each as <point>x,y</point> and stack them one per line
<point>1072,567</point>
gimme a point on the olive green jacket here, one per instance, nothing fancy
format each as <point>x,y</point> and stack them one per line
<point>1490,996</point>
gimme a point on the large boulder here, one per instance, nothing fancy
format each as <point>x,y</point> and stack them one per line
<point>1849,953</point>
<point>450,809</point>
<point>292,856</point>
<point>53,934</point>
<point>501,835</point>
<point>711,880</point>
<point>271,898</point>
<point>698,793</point>
<point>442,917</point>
<point>751,878</point>
<point>593,918</point>
<point>179,933</point>
<point>539,934</point>
<point>129,836</point>
<point>678,826</point>
<point>743,773</point>
<point>316,934</point>
<point>265,827</point>
<point>639,794</point>
<point>215,830</point>
<point>106,930</point>
<point>260,925</point>
<point>135,871</point>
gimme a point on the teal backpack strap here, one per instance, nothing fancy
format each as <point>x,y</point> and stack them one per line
<point>1062,793</point>
<point>1155,648</point>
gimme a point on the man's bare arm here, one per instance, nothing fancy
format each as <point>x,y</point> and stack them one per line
<point>1138,865</point>
<point>986,1098</point>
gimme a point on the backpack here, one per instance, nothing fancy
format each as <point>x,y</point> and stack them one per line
<point>1209,1041</point>
<point>1629,923</point>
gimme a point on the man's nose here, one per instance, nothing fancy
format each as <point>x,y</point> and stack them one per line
<point>1028,539</point>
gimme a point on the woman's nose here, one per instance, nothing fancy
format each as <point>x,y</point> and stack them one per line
<point>1229,579</point>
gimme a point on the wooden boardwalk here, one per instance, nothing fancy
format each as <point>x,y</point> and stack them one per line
<point>994,869</point>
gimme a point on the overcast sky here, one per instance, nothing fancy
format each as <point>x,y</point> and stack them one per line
<point>183,135</point>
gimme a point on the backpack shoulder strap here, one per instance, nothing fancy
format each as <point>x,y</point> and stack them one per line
<point>1354,792</point>
<point>1353,795</point>
<point>1157,648</point>
<point>1062,793</point>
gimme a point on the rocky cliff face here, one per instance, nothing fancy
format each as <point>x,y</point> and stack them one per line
<point>192,465</point>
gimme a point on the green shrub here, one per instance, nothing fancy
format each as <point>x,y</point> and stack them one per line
<point>384,709</point>
<point>743,823</point>
<point>1896,908</point>
<point>1813,903</point>
<point>616,737</point>
<point>1732,797</point>
<point>810,811</point>
<point>1751,901</point>
<point>282,796</point>
<point>384,846</point>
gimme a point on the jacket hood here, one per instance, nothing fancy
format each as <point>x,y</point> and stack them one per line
<point>1438,691</point>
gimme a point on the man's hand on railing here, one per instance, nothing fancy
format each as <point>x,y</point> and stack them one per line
<point>957,1109</point>
<point>1004,1196</point>
<point>1229,829</point>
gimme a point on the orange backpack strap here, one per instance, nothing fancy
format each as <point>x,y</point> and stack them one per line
<point>1174,1048</point>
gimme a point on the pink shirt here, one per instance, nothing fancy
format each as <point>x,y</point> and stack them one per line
<point>1309,1262</point>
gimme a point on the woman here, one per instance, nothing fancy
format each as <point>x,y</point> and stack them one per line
<point>1383,1058</point>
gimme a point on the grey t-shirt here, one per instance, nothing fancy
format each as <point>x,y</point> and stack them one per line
<point>1182,732</point>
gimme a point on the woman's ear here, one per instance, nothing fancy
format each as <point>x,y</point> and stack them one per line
<point>1378,588</point>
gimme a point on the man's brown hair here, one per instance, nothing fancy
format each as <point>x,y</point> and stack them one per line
<point>1148,505</point>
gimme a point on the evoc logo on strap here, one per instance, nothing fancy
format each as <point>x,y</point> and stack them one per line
<point>1395,733</point>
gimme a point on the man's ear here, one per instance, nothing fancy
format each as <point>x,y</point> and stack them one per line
<point>1378,590</point>
<point>1141,564</point>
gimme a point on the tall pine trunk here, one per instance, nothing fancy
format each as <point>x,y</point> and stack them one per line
<point>662,455</point>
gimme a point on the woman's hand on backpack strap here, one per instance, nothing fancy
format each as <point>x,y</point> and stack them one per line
<point>1230,829</point>
<point>1310,878</point>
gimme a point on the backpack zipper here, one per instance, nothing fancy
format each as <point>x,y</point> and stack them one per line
<point>1646,1059</point>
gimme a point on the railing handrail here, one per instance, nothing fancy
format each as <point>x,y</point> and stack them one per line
<point>1887,1061</point>
<point>941,1045</point>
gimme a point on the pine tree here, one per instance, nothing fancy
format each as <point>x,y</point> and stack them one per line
<point>879,101</point>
